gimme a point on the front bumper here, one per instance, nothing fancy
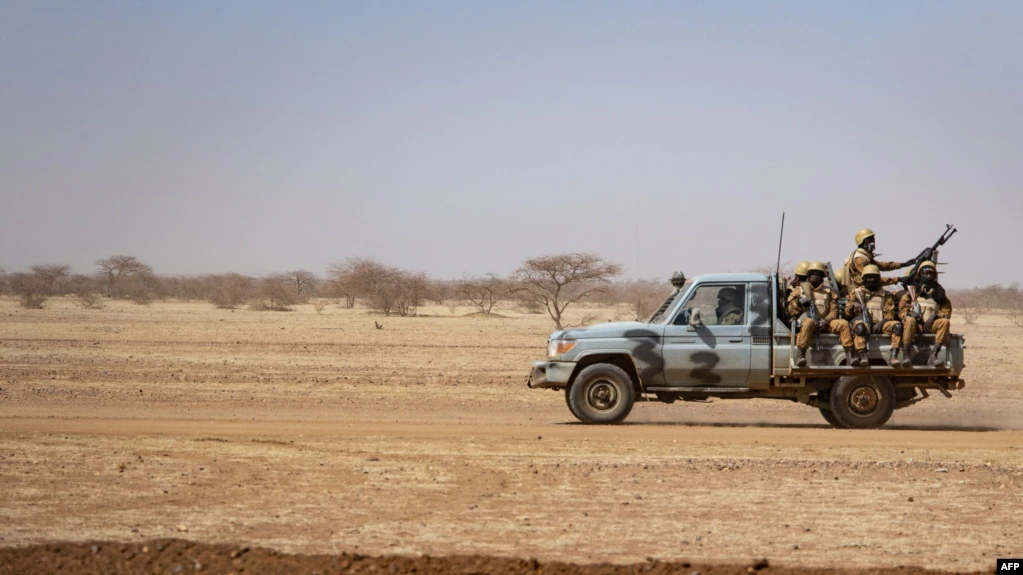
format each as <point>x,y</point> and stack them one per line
<point>550,374</point>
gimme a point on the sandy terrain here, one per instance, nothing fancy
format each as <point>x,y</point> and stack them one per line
<point>319,434</point>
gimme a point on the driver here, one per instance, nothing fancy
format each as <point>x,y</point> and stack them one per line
<point>729,310</point>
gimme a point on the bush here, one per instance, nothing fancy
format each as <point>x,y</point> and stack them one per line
<point>229,291</point>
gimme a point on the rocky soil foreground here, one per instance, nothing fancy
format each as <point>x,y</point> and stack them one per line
<point>178,556</point>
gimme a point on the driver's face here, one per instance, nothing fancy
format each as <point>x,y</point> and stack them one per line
<point>816,279</point>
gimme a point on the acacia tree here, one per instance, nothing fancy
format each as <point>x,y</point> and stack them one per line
<point>114,270</point>
<point>482,292</point>
<point>303,282</point>
<point>557,281</point>
<point>228,291</point>
<point>275,293</point>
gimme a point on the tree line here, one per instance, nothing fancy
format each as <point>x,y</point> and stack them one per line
<point>545,284</point>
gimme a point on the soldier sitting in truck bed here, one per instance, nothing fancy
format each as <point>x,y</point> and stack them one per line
<point>879,317</point>
<point>814,292</point>
<point>931,311</point>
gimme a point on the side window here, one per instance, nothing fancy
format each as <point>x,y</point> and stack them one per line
<point>719,304</point>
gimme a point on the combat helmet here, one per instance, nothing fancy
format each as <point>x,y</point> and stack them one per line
<point>818,267</point>
<point>926,264</point>
<point>802,268</point>
<point>870,270</point>
<point>863,234</point>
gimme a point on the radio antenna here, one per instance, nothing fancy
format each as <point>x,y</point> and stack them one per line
<point>781,236</point>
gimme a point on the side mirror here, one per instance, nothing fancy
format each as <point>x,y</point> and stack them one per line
<point>694,319</point>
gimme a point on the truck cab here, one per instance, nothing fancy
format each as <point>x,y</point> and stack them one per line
<point>726,336</point>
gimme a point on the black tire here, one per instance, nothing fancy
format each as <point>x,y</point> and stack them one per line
<point>568,401</point>
<point>824,405</point>
<point>601,394</point>
<point>862,402</point>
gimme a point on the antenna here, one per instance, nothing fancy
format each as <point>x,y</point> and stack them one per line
<point>781,236</point>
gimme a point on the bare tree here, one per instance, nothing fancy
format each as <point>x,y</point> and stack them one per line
<point>114,270</point>
<point>373,281</point>
<point>228,291</point>
<point>412,290</point>
<point>275,293</point>
<point>85,291</point>
<point>303,282</point>
<point>32,290</point>
<point>53,277</point>
<point>558,281</point>
<point>482,292</point>
<point>343,278</point>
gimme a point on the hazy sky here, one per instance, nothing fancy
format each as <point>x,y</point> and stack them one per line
<point>462,137</point>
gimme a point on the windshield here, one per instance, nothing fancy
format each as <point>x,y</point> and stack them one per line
<point>662,313</point>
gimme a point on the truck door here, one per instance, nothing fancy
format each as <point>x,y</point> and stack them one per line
<point>714,351</point>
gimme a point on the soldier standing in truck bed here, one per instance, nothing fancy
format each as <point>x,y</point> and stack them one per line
<point>864,256</point>
<point>814,292</point>
<point>881,311</point>
<point>933,315</point>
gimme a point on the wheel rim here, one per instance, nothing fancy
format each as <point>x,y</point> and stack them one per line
<point>864,400</point>
<point>602,396</point>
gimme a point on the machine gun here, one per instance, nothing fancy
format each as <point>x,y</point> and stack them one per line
<point>927,254</point>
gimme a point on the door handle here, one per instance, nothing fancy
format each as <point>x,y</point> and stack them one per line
<point>735,340</point>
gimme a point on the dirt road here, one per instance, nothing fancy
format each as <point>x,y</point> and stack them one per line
<point>134,424</point>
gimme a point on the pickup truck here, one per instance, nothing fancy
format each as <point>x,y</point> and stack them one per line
<point>682,353</point>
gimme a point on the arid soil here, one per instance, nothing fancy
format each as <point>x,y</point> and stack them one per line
<point>303,433</point>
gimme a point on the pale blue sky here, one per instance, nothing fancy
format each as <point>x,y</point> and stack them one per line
<point>462,137</point>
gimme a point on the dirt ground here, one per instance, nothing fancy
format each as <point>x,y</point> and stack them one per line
<point>318,434</point>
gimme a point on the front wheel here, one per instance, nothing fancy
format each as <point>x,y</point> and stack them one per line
<point>862,402</point>
<point>602,393</point>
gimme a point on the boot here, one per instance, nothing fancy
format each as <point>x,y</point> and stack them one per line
<point>849,356</point>
<point>800,357</point>
<point>934,360</point>
<point>893,358</point>
<point>907,356</point>
<point>860,359</point>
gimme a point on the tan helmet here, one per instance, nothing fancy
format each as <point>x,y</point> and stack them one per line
<point>870,270</point>
<point>926,264</point>
<point>818,267</point>
<point>840,276</point>
<point>863,234</point>
<point>802,268</point>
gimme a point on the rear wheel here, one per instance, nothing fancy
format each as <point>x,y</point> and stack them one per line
<point>601,393</point>
<point>824,405</point>
<point>862,402</point>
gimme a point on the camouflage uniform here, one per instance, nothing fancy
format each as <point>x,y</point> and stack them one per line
<point>881,307</point>
<point>860,259</point>
<point>729,310</point>
<point>938,313</point>
<point>826,301</point>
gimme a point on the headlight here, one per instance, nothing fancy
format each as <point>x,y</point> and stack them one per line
<point>559,347</point>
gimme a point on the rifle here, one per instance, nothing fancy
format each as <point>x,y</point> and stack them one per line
<point>928,253</point>
<point>815,317</point>
<point>865,315</point>
<point>917,311</point>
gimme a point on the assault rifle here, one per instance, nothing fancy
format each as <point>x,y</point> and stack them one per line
<point>815,316</point>
<point>927,254</point>
<point>865,315</point>
<point>917,311</point>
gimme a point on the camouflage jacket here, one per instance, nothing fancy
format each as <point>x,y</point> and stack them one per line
<point>927,300</point>
<point>860,259</point>
<point>852,307</point>
<point>823,297</point>
<point>729,314</point>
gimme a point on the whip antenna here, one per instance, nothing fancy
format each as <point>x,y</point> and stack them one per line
<point>781,236</point>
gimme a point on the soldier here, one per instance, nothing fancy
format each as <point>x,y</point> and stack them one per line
<point>864,256</point>
<point>730,304</point>
<point>934,312</point>
<point>881,311</point>
<point>825,301</point>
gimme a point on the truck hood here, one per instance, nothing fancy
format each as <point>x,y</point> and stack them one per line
<point>607,330</point>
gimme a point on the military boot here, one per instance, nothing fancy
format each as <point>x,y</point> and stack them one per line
<point>907,356</point>
<point>934,360</point>
<point>849,355</point>
<point>800,357</point>
<point>893,358</point>
<point>860,360</point>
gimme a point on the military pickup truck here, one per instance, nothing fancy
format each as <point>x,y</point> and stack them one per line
<point>684,353</point>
